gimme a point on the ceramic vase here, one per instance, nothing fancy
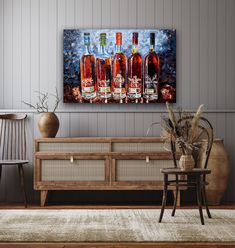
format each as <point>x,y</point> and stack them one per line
<point>48,124</point>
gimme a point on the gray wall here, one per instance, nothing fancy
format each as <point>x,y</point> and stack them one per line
<point>31,59</point>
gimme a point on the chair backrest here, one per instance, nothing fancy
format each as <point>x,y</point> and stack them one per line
<point>204,136</point>
<point>12,136</point>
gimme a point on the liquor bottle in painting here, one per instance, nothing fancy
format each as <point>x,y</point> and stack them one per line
<point>119,71</point>
<point>103,71</point>
<point>134,86</point>
<point>87,69</point>
<point>151,72</point>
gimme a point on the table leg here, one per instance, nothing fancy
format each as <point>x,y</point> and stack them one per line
<point>43,197</point>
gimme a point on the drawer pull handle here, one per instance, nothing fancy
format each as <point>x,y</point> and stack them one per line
<point>71,159</point>
<point>147,159</point>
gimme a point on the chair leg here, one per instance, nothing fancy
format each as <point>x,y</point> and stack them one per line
<point>199,199</point>
<point>205,202</point>
<point>175,196</point>
<point>175,200</point>
<point>21,174</point>
<point>164,197</point>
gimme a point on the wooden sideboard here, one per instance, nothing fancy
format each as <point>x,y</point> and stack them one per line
<point>99,164</point>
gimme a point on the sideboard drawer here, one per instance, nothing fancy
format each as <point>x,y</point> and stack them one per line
<point>79,170</point>
<point>139,170</point>
<point>75,147</point>
<point>137,147</point>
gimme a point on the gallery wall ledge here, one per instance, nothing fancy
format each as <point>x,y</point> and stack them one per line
<point>114,110</point>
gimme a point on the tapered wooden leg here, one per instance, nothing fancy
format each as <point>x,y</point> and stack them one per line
<point>164,197</point>
<point>21,174</point>
<point>43,197</point>
<point>199,198</point>
<point>205,202</point>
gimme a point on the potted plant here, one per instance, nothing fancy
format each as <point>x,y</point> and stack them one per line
<point>184,133</point>
<point>48,123</point>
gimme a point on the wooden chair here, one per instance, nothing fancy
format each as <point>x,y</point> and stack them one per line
<point>195,178</point>
<point>13,145</point>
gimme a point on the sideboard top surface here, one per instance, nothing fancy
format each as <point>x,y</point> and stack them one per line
<point>102,139</point>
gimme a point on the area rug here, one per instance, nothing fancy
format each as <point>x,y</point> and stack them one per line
<point>116,225</point>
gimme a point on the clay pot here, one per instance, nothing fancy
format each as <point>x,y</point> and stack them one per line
<point>186,162</point>
<point>218,163</point>
<point>48,125</point>
<point>218,179</point>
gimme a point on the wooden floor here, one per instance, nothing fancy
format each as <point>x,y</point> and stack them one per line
<point>118,245</point>
<point>112,244</point>
<point>20,206</point>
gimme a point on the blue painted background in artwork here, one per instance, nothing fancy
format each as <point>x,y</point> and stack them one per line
<point>165,48</point>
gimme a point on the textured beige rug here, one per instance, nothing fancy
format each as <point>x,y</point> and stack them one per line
<point>114,225</point>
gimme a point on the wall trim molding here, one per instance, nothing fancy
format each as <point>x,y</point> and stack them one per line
<point>216,111</point>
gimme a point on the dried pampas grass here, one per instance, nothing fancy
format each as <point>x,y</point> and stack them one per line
<point>194,124</point>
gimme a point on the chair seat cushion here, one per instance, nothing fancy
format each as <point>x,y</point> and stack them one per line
<point>6,162</point>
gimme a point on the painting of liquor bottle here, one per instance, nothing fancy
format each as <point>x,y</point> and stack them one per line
<point>122,66</point>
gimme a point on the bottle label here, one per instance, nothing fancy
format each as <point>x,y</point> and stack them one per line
<point>119,81</point>
<point>134,85</point>
<point>118,90</point>
<point>88,85</point>
<point>88,89</point>
<point>104,89</point>
<point>149,91</point>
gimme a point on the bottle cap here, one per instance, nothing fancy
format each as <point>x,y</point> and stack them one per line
<point>118,39</point>
<point>152,39</point>
<point>103,39</point>
<point>135,38</point>
<point>87,38</point>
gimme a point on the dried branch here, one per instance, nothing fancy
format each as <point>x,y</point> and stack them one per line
<point>42,105</point>
<point>57,100</point>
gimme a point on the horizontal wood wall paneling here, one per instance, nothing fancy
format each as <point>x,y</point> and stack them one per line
<point>8,53</point>
<point>31,59</point>
<point>168,13</point>
<point>25,51</point>
<point>195,47</point>
<point>1,53</point>
<point>132,14</point>
<point>102,125</point>
<point>17,35</point>
<point>177,24</point>
<point>97,16</point>
<point>230,54</point>
<point>52,47</point>
<point>34,50</point>
<point>212,54</point>
<point>221,55</point>
<point>159,13</point>
<point>204,46</point>
<point>186,62</point>
<point>125,109</point>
